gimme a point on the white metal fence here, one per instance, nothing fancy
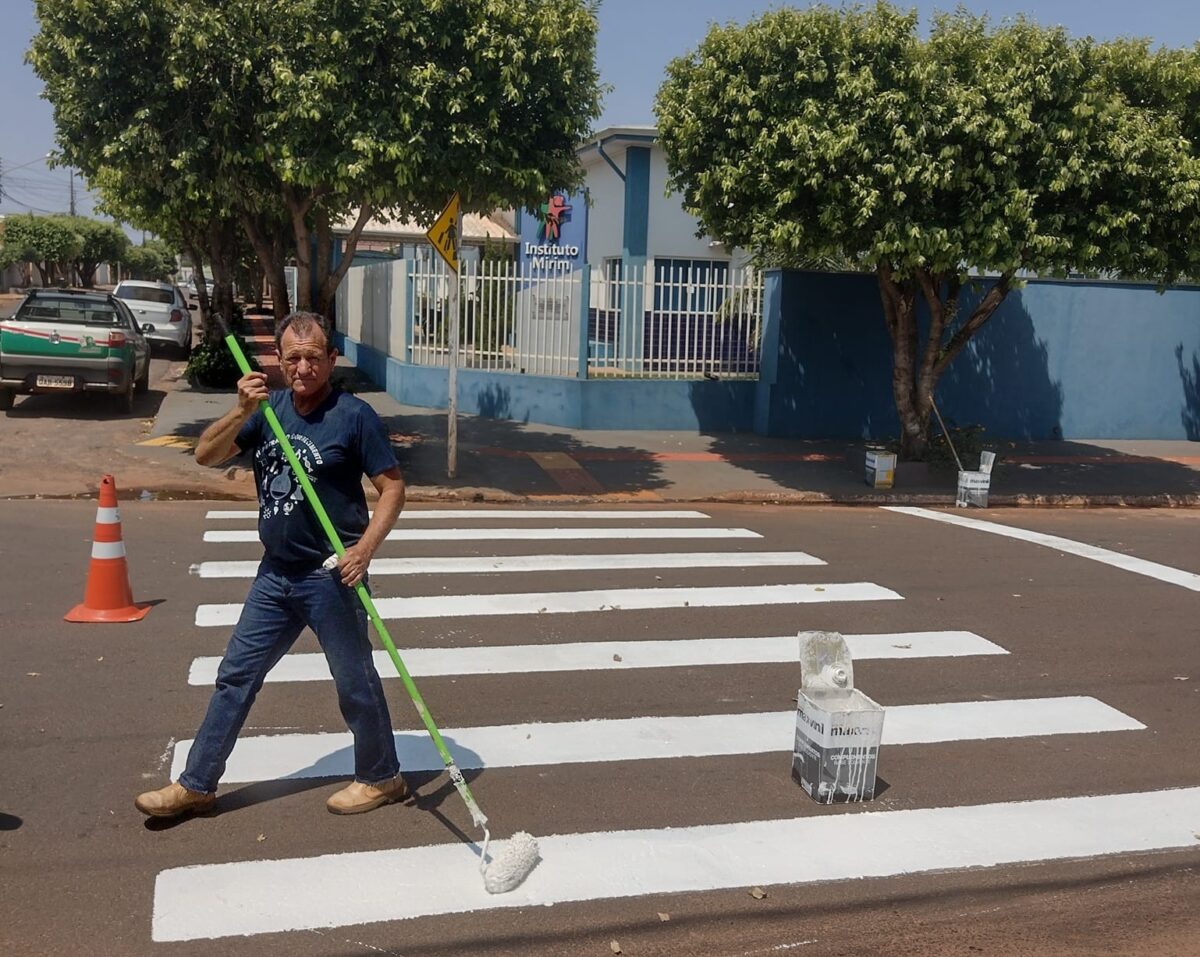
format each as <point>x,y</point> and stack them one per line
<point>660,321</point>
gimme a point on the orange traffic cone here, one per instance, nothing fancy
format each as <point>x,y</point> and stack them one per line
<point>108,596</point>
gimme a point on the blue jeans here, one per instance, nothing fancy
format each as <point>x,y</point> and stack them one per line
<point>277,609</point>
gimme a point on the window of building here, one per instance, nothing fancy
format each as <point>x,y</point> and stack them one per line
<point>690,285</point>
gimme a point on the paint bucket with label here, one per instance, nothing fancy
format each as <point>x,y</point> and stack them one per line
<point>973,487</point>
<point>880,468</point>
<point>838,728</point>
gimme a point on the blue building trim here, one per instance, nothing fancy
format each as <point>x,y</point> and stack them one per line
<point>637,205</point>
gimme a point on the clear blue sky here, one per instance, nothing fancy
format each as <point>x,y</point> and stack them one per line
<point>637,38</point>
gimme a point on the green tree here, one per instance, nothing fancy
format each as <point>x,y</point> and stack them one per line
<point>46,241</point>
<point>300,111</point>
<point>99,242</point>
<point>980,151</point>
<point>154,260</point>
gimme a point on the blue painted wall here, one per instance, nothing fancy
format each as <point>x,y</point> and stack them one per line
<point>1064,359</point>
<point>1057,360</point>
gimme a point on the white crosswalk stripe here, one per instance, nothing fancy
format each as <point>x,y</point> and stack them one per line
<point>500,564</point>
<point>270,896</point>
<point>620,655</point>
<point>609,599</point>
<point>279,756</point>
<point>492,514</point>
<point>520,534</point>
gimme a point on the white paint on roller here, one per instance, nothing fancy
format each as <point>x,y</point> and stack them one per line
<point>613,599</point>
<point>259,897</point>
<point>291,756</point>
<point>519,534</point>
<point>498,564</point>
<point>620,655</point>
<point>108,549</point>
<point>1139,566</point>
<point>482,514</point>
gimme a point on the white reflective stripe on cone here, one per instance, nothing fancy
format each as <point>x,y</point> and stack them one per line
<point>108,516</point>
<point>108,549</point>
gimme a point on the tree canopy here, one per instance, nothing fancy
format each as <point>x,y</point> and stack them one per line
<point>290,114</point>
<point>45,241</point>
<point>978,150</point>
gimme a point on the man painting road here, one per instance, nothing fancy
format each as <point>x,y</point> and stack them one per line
<point>338,438</point>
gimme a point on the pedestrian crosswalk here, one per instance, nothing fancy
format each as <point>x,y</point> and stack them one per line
<point>292,756</point>
<point>443,549</point>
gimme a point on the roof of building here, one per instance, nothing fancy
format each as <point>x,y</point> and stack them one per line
<point>476,227</point>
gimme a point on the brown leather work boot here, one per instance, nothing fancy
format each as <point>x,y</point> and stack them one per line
<point>174,800</point>
<point>357,797</point>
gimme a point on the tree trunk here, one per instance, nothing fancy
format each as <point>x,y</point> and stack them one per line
<point>189,246</point>
<point>270,253</point>
<point>87,273</point>
<point>298,206</point>
<point>330,280</point>
<point>914,382</point>
<point>220,250</point>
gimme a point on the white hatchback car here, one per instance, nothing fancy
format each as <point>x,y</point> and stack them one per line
<point>161,310</point>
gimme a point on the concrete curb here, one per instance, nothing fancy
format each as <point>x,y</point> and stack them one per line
<point>433,494</point>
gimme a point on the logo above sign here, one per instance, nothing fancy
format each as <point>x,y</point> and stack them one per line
<point>554,238</point>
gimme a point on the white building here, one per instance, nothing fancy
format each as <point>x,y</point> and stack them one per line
<point>631,215</point>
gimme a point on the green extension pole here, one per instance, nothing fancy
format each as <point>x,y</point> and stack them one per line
<point>310,496</point>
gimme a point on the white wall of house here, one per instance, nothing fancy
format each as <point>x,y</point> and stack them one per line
<point>672,231</point>
<point>606,209</point>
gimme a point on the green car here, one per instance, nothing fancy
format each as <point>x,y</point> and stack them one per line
<point>66,340</point>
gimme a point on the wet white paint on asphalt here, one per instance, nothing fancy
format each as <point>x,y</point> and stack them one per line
<point>1128,563</point>
<point>597,600</point>
<point>620,655</point>
<point>291,756</point>
<point>259,897</point>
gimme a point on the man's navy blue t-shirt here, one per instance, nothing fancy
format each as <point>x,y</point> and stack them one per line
<point>337,443</point>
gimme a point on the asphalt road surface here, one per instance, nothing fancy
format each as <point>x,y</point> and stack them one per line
<point>622,683</point>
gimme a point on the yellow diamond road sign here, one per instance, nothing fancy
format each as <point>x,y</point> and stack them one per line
<point>444,233</point>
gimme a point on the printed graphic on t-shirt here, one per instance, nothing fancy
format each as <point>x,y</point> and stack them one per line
<point>280,493</point>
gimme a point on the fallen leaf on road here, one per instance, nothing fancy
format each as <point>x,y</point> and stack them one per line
<point>261,838</point>
<point>614,947</point>
<point>1182,678</point>
<point>101,658</point>
<point>818,588</point>
<point>757,893</point>
<point>33,674</point>
<point>663,917</point>
<point>617,658</point>
<point>902,646</point>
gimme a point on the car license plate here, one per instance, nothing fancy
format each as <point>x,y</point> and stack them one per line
<point>55,382</point>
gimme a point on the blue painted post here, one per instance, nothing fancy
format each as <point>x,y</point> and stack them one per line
<point>585,308</point>
<point>635,246</point>
<point>407,316</point>
<point>768,365</point>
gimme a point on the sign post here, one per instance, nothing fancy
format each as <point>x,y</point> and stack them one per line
<point>445,235</point>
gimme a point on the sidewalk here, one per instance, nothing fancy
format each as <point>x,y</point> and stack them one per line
<point>504,461</point>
